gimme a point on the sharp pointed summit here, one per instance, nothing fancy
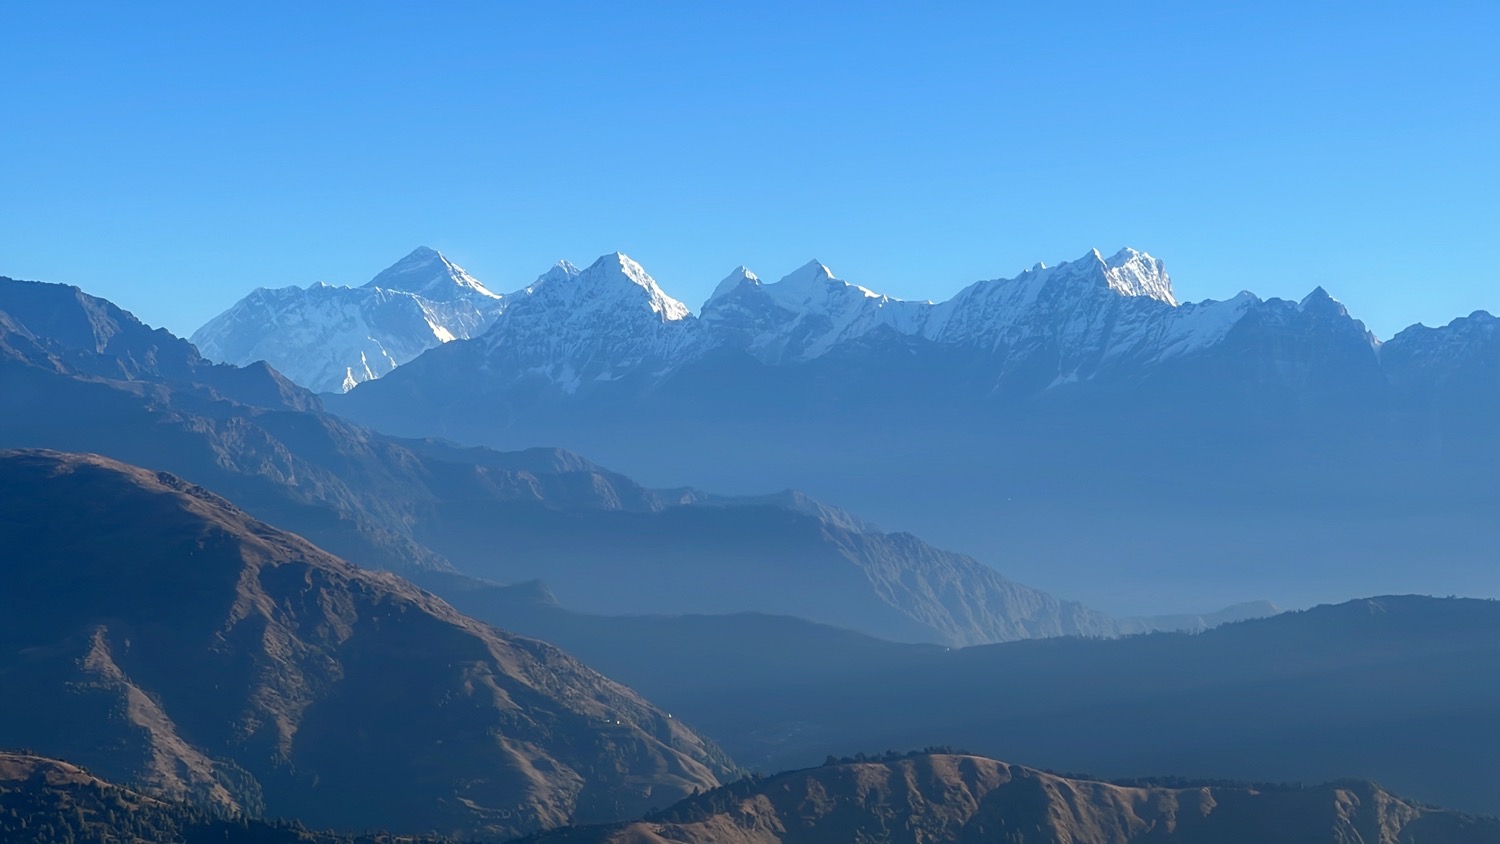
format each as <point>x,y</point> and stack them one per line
<point>815,280</point>
<point>741,278</point>
<point>812,271</point>
<point>1131,272</point>
<point>559,272</point>
<point>427,273</point>
<point>1316,298</point>
<point>615,275</point>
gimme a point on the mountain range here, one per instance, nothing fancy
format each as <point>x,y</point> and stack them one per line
<point>1110,322</point>
<point>1076,425</point>
<point>606,543</point>
<point>206,659</point>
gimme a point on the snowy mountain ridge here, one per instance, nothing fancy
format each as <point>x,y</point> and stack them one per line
<point>1050,325</point>
<point>803,315</point>
<point>1076,320</point>
<point>572,326</point>
<point>330,338</point>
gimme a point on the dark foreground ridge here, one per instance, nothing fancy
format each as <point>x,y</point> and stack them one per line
<point>46,800</point>
<point>960,798</point>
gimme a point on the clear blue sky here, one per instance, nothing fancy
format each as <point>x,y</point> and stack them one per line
<point>173,157</point>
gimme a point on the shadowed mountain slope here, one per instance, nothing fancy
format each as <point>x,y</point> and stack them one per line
<point>160,636</point>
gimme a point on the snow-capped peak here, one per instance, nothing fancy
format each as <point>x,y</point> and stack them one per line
<point>560,271</point>
<point>803,315</point>
<point>741,277</point>
<point>427,273</point>
<point>1130,272</point>
<point>613,273</point>
<point>812,272</point>
<point>1074,305</point>
<point>809,278</point>
<point>813,281</point>
<point>330,338</point>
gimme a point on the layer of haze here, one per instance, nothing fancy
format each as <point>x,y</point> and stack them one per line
<point>172,158</point>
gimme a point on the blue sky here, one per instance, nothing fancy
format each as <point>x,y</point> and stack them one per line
<point>172,158</point>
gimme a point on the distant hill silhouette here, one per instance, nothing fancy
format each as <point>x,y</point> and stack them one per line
<point>1395,689</point>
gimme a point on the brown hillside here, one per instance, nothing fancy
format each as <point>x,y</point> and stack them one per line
<point>163,638</point>
<point>955,798</point>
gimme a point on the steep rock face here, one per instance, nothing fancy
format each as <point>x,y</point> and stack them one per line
<point>157,634</point>
<point>330,338</point>
<point>953,798</point>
